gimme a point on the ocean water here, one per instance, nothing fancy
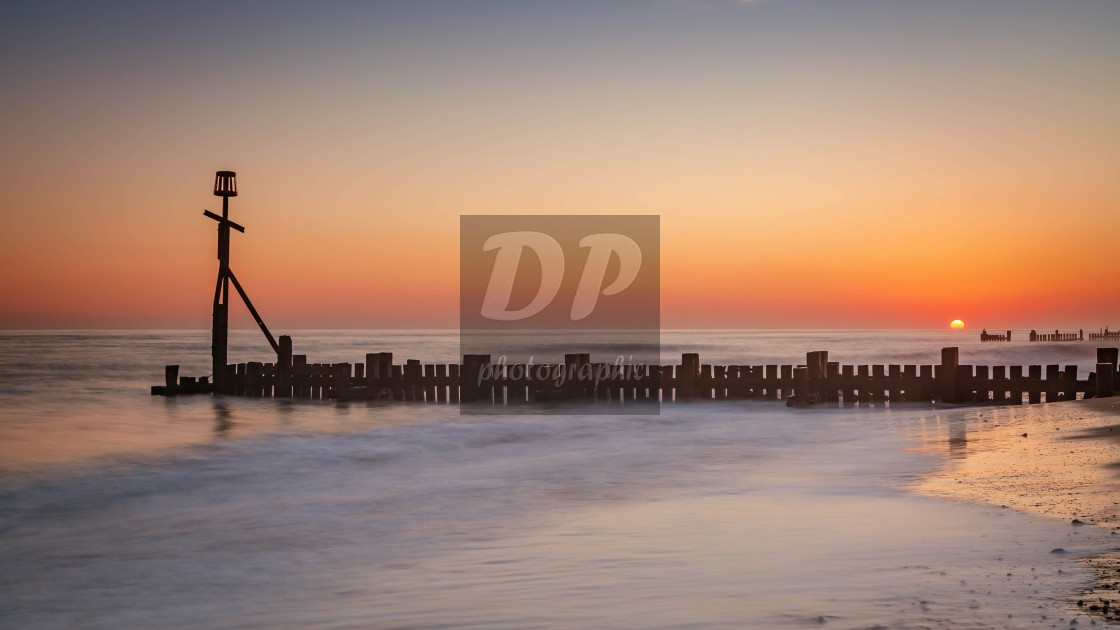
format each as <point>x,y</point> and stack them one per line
<point>119,509</point>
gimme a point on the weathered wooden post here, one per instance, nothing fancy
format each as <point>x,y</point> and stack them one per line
<point>786,377</point>
<point>999,383</point>
<point>1016,384</point>
<point>814,365</point>
<point>832,381</point>
<point>1108,355</point>
<point>171,375</point>
<point>928,387</point>
<point>1105,372</point>
<point>863,384</point>
<point>413,372</point>
<point>1069,383</point>
<point>340,378</point>
<point>894,382</point>
<point>847,380</point>
<point>1034,384</point>
<point>800,396</point>
<point>947,374</point>
<point>225,186</point>
<point>284,368</point>
<point>371,369</point>
<point>982,383</point>
<point>301,378</point>
<point>687,374</point>
<point>470,388</point>
<point>1052,372</point>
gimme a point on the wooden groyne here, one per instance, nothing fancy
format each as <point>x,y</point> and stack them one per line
<point>479,380</point>
<point>819,380</point>
<point>1058,336</point>
<point>1104,335</point>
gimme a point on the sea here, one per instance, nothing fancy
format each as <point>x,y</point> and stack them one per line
<point>119,509</point>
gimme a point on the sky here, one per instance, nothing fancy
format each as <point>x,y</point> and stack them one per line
<point>815,164</point>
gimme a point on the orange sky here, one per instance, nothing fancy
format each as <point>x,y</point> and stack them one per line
<point>812,167</point>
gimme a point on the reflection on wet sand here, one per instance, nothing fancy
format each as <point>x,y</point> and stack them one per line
<point>222,421</point>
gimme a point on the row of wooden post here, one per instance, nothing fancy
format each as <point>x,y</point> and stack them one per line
<point>1057,336</point>
<point>818,381</point>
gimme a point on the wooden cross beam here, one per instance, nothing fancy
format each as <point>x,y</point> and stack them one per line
<point>223,221</point>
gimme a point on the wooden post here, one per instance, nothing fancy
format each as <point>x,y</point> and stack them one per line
<point>300,376</point>
<point>572,386</point>
<point>928,387</point>
<point>894,382</point>
<point>950,360</point>
<point>704,383</point>
<point>1016,384</point>
<point>879,382</point>
<point>284,368</point>
<point>412,372</point>
<point>1069,383</point>
<point>966,385</point>
<point>800,387</point>
<point>453,383</point>
<point>866,388</point>
<point>1034,384</point>
<point>848,373</point>
<point>171,375</point>
<point>340,375</point>
<point>813,375</point>
<point>770,380</point>
<point>982,383</point>
<point>999,383</point>
<point>1105,372</point>
<point>470,388</point>
<point>787,380</point>
<point>372,374</point>
<point>687,374</point>
<point>1052,372</point>
<point>429,379</point>
<point>1109,356</point>
<point>253,377</point>
<point>909,382</point>
<point>385,368</point>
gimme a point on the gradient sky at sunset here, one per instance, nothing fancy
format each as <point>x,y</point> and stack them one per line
<point>815,164</point>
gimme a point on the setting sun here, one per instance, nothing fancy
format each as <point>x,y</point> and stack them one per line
<point>956,323</point>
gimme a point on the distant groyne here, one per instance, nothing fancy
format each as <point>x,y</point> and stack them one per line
<point>818,380</point>
<point>1103,335</point>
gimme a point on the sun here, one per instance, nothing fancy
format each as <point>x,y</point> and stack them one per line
<point>956,323</point>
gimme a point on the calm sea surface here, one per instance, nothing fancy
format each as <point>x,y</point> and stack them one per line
<point>123,510</point>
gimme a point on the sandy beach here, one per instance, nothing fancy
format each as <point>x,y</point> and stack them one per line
<point>1059,460</point>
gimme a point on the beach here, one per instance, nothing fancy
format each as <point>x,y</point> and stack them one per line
<point>1059,460</point>
<point>122,509</point>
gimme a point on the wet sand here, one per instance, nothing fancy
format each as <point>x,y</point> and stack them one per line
<point>1060,460</point>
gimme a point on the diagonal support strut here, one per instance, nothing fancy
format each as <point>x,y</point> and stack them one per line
<point>253,311</point>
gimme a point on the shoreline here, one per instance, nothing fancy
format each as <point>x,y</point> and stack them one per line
<point>1059,460</point>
